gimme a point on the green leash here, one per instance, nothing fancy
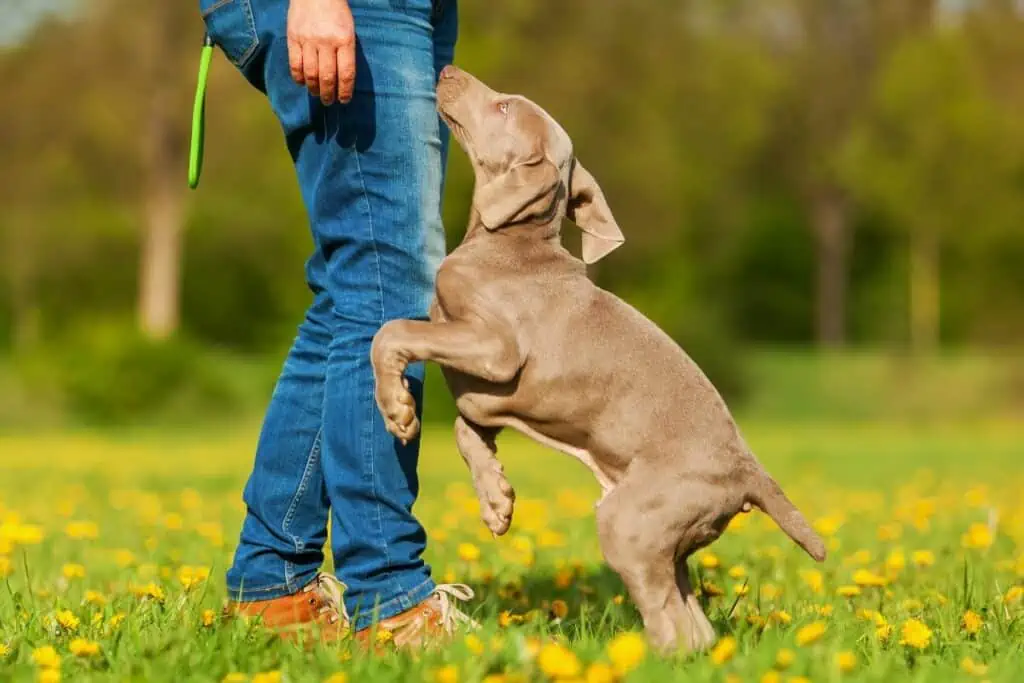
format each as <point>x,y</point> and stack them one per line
<point>195,156</point>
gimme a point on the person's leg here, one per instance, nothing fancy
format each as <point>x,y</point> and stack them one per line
<point>284,532</point>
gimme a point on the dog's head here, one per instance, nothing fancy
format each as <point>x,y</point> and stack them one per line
<point>524,164</point>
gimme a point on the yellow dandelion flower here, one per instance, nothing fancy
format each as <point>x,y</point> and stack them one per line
<point>709,560</point>
<point>507,618</point>
<point>557,661</point>
<point>895,562</point>
<point>784,658</point>
<point>724,650</point>
<point>971,622</point>
<point>67,620</point>
<point>73,571</point>
<point>890,531</point>
<point>740,589</point>
<point>96,598</point>
<point>618,599</point>
<point>868,578</point>
<point>80,647</point>
<point>446,674</point>
<point>712,589</point>
<point>192,576</point>
<point>883,631</point>
<point>6,567</point>
<point>174,522</point>
<point>977,537</point>
<point>209,617</point>
<point>770,591</point>
<point>828,526</point>
<point>235,677</point>
<point>973,668</point>
<point>48,676</point>
<point>474,644</point>
<point>737,571</point>
<point>5,650</point>
<point>468,552</point>
<point>824,610</point>
<point>599,672</point>
<point>771,677</point>
<point>116,619</point>
<point>560,609</point>
<point>151,591</point>
<point>916,634</point>
<point>384,636</point>
<point>46,657</point>
<point>267,677</point>
<point>1014,594</point>
<point>124,558</point>
<point>845,661</point>
<point>550,539</point>
<point>781,616</point>
<point>813,579</point>
<point>923,558</point>
<point>756,620</point>
<point>82,530</point>
<point>811,633</point>
<point>339,677</point>
<point>798,679</point>
<point>22,534</point>
<point>862,556</point>
<point>626,651</point>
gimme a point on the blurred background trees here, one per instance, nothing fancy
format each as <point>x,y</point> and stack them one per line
<point>796,173</point>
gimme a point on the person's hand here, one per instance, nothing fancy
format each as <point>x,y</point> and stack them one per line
<point>322,48</point>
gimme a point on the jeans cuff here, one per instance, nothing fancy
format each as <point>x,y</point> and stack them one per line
<point>405,600</point>
<point>251,593</point>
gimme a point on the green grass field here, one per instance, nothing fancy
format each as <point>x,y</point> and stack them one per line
<point>106,543</point>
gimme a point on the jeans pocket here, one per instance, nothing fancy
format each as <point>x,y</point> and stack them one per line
<point>232,26</point>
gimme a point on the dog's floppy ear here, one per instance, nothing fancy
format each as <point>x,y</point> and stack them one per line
<point>591,213</point>
<point>522,192</point>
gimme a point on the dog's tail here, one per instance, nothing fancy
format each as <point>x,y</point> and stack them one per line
<point>768,496</point>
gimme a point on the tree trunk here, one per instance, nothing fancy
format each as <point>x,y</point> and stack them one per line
<point>830,223</point>
<point>163,203</point>
<point>925,285</point>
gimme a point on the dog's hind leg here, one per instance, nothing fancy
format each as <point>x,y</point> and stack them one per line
<point>478,449</point>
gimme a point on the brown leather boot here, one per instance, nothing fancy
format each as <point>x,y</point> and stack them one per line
<point>432,622</point>
<point>315,611</point>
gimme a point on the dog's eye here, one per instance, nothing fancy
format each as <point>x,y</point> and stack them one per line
<point>503,108</point>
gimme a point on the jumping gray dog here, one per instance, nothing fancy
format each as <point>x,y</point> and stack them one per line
<point>527,341</point>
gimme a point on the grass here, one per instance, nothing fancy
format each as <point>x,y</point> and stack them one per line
<point>113,536</point>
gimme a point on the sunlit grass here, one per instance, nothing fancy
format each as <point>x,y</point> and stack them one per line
<point>113,549</point>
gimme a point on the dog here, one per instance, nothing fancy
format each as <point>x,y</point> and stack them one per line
<point>525,340</point>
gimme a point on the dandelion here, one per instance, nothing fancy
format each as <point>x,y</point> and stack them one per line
<point>192,576</point>
<point>46,657</point>
<point>339,677</point>
<point>1014,594</point>
<point>922,558</point>
<point>895,562</point>
<point>737,571</point>
<point>96,598</point>
<point>828,526</point>
<point>784,658</point>
<point>5,650</point>
<point>82,531</point>
<point>234,677</point>
<point>468,552</point>
<point>550,539</point>
<point>557,661</point>
<point>811,633</point>
<point>771,677</point>
<point>73,571</point>
<point>813,579</point>
<point>49,676</point>
<point>848,591</point>
<point>866,578</point>
<point>724,650</point>
<point>267,677</point>
<point>124,558</point>
<point>116,619</point>
<point>507,618</point>
<point>712,589</point>
<point>209,617</point>
<point>474,644</point>
<point>973,668</point>
<point>770,591</point>
<point>916,634</point>
<point>564,578</point>
<point>384,636</point>
<point>446,674</point>
<point>971,622</point>
<point>67,620</point>
<point>710,561</point>
<point>80,647</point>
<point>149,591</point>
<point>862,557</point>
<point>740,589</point>
<point>626,651</point>
<point>619,599</point>
<point>6,567</point>
<point>560,609</point>
<point>781,616</point>
<point>845,661</point>
<point>599,672</point>
<point>977,537</point>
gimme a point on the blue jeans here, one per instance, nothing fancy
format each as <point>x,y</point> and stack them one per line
<point>371,174</point>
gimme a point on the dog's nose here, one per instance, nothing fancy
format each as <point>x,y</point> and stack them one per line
<point>449,71</point>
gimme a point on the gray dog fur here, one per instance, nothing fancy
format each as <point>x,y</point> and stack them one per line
<point>527,341</point>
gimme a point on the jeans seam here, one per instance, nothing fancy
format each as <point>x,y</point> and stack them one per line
<point>307,474</point>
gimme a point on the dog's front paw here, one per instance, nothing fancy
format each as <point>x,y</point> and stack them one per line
<point>497,500</point>
<point>398,408</point>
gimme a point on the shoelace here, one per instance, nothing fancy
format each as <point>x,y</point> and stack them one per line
<point>330,586</point>
<point>450,614</point>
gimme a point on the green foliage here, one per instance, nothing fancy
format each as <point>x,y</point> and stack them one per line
<point>108,373</point>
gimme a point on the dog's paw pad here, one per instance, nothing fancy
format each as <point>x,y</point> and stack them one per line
<point>398,407</point>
